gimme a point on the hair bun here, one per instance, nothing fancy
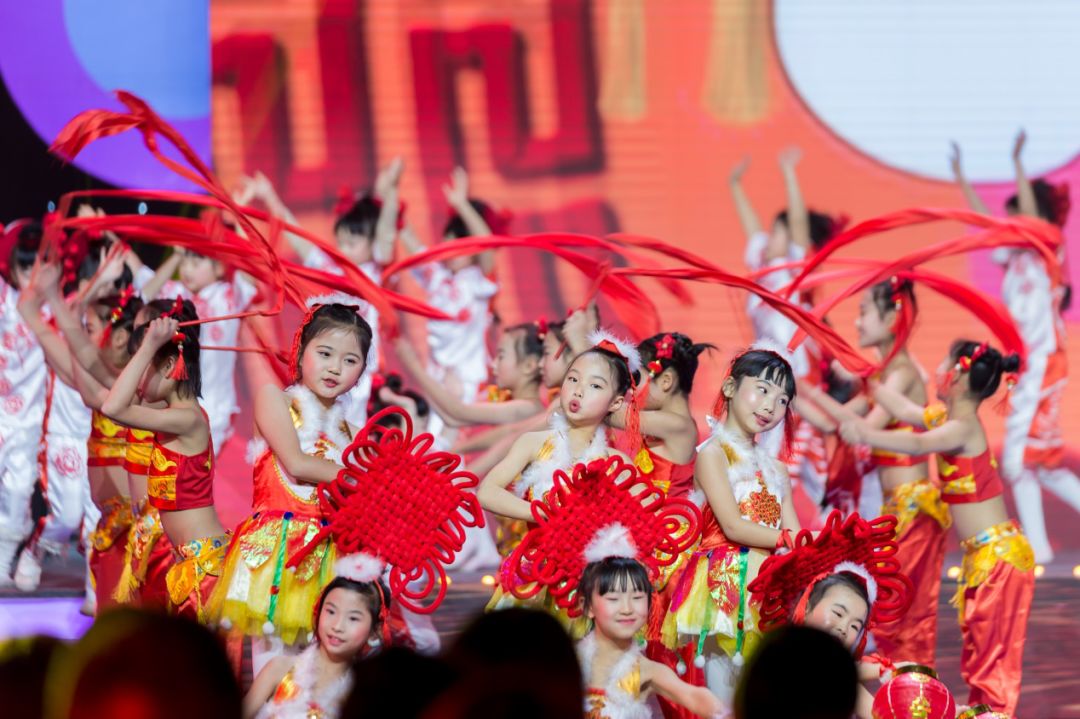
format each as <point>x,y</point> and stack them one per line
<point>1010,363</point>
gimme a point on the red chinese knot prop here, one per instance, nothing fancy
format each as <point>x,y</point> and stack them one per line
<point>397,500</point>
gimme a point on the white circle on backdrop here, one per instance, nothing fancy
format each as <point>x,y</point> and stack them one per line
<point>900,79</point>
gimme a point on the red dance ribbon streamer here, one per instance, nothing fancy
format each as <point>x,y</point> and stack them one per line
<point>826,336</point>
<point>1037,234</point>
<point>632,306</point>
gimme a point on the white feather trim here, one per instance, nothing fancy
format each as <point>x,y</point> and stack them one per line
<point>618,704</point>
<point>255,448</point>
<point>539,476</point>
<point>316,421</point>
<point>859,571</point>
<point>746,460</point>
<point>626,348</point>
<point>613,540</point>
<point>305,676</point>
<point>770,344</point>
<point>334,298</point>
<point>359,567</point>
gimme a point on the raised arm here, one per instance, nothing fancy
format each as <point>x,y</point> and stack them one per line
<point>162,274</point>
<point>260,188</point>
<point>122,403</point>
<point>1025,193</point>
<point>972,199</point>
<point>451,406</point>
<point>275,425</point>
<point>493,493</point>
<point>386,187</point>
<point>457,195</point>
<point>855,408</point>
<point>85,352</point>
<point>748,218</point>
<point>57,354</point>
<point>798,218</point>
<point>711,472</point>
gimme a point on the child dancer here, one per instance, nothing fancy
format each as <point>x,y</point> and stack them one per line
<point>365,230</point>
<point>668,433</point>
<point>304,432</point>
<point>909,493</point>
<point>997,579</point>
<point>600,540</point>
<point>458,353</point>
<point>747,508</point>
<point>165,368</point>
<point>22,401</point>
<point>843,580</point>
<point>349,618</point>
<point>796,233</point>
<point>1033,449</point>
<point>214,293</point>
<point>595,386</point>
<point>395,512</point>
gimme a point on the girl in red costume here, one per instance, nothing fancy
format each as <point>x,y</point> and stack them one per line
<point>997,579</point>
<point>1033,450</point>
<point>180,485</point>
<point>664,427</point>
<point>304,432</point>
<point>909,493</point>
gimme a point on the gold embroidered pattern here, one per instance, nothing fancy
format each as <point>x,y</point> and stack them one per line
<point>761,506</point>
<point>910,499</point>
<point>1001,543</point>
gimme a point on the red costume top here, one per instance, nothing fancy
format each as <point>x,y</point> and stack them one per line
<point>140,444</point>
<point>674,480</point>
<point>969,479</point>
<point>884,458</point>
<point>107,443</point>
<point>178,481</point>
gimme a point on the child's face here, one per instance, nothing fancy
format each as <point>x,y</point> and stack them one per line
<point>344,623</point>
<point>456,264</point>
<point>332,363</point>
<point>620,613</point>
<point>553,370</point>
<point>588,391</point>
<point>95,326</point>
<point>507,369</point>
<point>354,245</point>
<point>873,328</point>
<point>757,404</point>
<point>198,272</point>
<point>841,612</point>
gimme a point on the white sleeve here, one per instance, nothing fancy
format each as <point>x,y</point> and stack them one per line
<point>754,256</point>
<point>244,291</point>
<point>140,277</point>
<point>1032,308</point>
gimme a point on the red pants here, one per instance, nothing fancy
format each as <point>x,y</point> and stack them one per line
<point>921,554</point>
<point>994,625</point>
<point>154,593</point>
<point>106,566</point>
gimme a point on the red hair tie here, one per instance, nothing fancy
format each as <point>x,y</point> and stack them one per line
<point>541,328</point>
<point>179,371</point>
<point>1060,203</point>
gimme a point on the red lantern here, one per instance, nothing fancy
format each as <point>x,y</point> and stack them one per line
<point>914,693</point>
<point>981,711</point>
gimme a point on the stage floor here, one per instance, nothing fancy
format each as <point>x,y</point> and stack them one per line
<point>1050,690</point>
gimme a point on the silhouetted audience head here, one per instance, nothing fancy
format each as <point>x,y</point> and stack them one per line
<point>141,665</point>
<point>397,683</point>
<point>24,664</point>
<point>798,673</point>
<point>513,663</point>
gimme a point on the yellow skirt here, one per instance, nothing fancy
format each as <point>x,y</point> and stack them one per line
<point>707,596</point>
<point>257,594</point>
<point>1003,542</point>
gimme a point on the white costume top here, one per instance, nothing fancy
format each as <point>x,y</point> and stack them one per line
<point>296,698</point>
<point>1031,299</point>
<point>751,468</point>
<point>459,345</point>
<point>766,321</point>
<point>68,416</point>
<point>22,369</point>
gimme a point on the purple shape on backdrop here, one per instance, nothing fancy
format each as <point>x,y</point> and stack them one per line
<point>50,86</point>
